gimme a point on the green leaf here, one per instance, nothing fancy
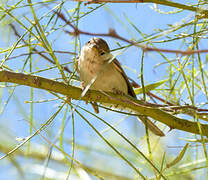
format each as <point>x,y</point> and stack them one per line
<point>179,157</point>
<point>150,87</point>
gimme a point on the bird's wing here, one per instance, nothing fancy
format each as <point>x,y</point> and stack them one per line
<point>131,92</point>
<point>119,68</point>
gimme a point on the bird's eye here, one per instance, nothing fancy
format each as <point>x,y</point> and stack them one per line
<point>102,53</point>
<point>88,42</point>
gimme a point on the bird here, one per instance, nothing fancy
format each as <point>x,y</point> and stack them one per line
<point>99,70</point>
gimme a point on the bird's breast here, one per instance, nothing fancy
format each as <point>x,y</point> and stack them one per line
<point>106,76</point>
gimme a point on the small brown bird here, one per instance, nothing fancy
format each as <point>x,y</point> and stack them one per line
<point>96,72</point>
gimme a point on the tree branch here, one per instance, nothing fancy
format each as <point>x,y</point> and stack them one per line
<point>39,152</point>
<point>204,12</point>
<point>112,33</point>
<point>126,102</point>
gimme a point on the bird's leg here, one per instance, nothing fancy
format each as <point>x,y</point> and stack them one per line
<point>94,104</point>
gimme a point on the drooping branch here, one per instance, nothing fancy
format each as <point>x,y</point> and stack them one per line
<point>204,12</point>
<point>112,33</point>
<point>110,98</point>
